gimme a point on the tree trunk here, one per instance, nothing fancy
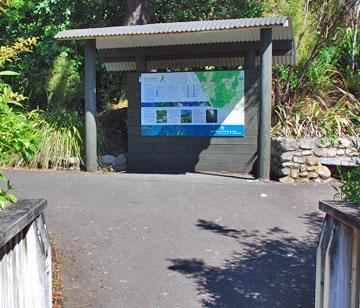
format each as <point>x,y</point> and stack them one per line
<point>356,24</point>
<point>140,12</point>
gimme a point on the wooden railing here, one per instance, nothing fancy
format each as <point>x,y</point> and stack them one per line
<point>25,256</point>
<point>338,256</point>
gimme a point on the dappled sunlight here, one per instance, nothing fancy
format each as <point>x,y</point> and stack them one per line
<point>273,269</point>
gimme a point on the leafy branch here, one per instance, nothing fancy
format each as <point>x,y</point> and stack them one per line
<point>6,197</point>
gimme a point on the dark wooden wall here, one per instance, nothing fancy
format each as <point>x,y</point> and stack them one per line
<point>185,154</point>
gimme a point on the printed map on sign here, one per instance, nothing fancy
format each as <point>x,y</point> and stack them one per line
<point>192,104</point>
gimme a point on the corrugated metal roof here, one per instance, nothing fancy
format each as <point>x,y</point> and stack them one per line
<point>176,27</point>
<point>204,37</point>
<point>187,33</point>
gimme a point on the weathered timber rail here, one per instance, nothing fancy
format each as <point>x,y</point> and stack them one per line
<point>338,256</point>
<point>25,256</point>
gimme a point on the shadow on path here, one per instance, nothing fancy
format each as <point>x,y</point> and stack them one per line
<point>274,269</point>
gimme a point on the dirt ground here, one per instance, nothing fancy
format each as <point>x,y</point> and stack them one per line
<point>113,130</point>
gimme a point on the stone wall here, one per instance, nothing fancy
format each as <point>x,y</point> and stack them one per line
<point>308,160</point>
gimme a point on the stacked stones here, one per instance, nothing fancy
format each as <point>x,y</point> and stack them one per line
<point>302,160</point>
<point>117,163</point>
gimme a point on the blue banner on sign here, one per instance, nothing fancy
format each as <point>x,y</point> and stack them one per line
<point>193,130</point>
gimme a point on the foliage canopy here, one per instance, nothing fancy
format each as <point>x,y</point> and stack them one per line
<point>43,100</point>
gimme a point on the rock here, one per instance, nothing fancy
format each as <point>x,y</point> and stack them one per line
<point>120,162</point>
<point>303,174</point>
<point>354,154</point>
<point>313,175</point>
<point>286,156</point>
<point>340,152</point>
<point>339,161</point>
<point>332,152</point>
<point>311,168</point>
<point>350,151</point>
<point>307,144</point>
<point>306,153</point>
<point>291,165</point>
<point>294,173</point>
<point>344,143</point>
<point>71,161</point>
<point>329,180</point>
<point>323,143</point>
<point>288,144</point>
<point>287,179</point>
<point>284,171</point>
<point>302,168</point>
<point>312,161</point>
<point>297,154</point>
<point>323,172</point>
<point>107,160</point>
<point>303,180</point>
<point>317,180</point>
<point>321,152</point>
<point>300,160</point>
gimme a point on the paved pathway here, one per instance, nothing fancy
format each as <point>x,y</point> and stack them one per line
<point>190,240</point>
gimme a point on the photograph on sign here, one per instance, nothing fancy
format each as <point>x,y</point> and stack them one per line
<point>209,103</point>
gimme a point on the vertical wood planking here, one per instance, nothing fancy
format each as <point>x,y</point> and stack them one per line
<point>355,268</point>
<point>337,265</point>
<point>340,257</point>
<point>320,260</point>
<point>327,265</point>
<point>25,268</point>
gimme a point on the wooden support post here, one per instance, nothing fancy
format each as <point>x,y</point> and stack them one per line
<point>264,140</point>
<point>250,60</point>
<point>141,64</point>
<point>90,105</point>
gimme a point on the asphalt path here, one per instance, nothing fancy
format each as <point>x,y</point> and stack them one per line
<point>190,240</point>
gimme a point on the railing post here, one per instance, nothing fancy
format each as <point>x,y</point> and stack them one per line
<point>25,256</point>
<point>338,256</point>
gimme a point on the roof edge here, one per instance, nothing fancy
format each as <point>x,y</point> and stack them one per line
<point>174,28</point>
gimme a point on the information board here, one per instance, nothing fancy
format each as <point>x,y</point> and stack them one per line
<point>207,103</point>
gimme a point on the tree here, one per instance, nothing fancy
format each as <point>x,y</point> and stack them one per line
<point>139,12</point>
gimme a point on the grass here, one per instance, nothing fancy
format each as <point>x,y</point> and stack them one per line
<point>314,117</point>
<point>60,142</point>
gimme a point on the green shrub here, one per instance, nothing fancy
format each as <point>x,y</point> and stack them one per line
<point>324,67</point>
<point>64,86</point>
<point>61,140</point>
<point>18,134</point>
<point>38,139</point>
<point>349,189</point>
<point>6,197</point>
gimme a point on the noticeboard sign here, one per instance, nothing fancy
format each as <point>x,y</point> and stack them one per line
<point>209,103</point>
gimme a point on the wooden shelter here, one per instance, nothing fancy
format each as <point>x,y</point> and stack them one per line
<point>253,43</point>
